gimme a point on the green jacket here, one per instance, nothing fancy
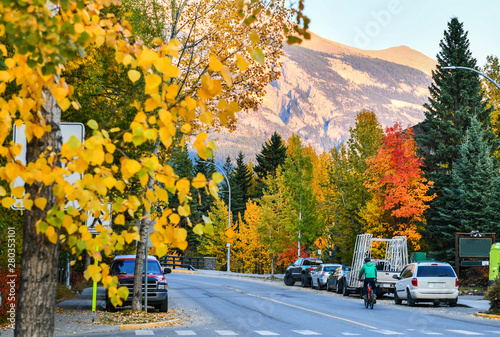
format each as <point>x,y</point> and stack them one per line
<point>369,270</point>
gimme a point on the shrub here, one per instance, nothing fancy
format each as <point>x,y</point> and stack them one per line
<point>493,295</point>
<point>475,277</point>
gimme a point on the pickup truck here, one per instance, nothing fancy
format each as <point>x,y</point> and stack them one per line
<point>300,270</point>
<point>385,281</point>
<point>123,268</point>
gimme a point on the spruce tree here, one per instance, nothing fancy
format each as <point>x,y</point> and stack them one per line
<point>272,155</point>
<point>473,194</point>
<point>455,97</point>
<point>240,184</point>
<point>228,171</point>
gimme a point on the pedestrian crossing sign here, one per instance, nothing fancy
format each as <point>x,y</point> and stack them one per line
<point>320,242</point>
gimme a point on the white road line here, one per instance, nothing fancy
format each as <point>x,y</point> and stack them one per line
<point>465,332</point>
<point>226,333</point>
<point>387,332</point>
<point>430,333</point>
<point>185,332</point>
<point>144,333</point>
<point>266,333</point>
<point>307,332</point>
<point>350,334</point>
<point>495,332</point>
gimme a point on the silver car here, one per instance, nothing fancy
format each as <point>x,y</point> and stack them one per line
<point>427,281</point>
<point>319,277</point>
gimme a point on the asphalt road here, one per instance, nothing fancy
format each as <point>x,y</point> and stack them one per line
<point>229,306</point>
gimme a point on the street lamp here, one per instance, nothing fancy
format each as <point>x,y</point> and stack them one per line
<point>474,70</point>
<point>229,214</point>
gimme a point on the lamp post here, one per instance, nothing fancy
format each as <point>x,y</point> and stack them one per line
<point>229,214</point>
<point>474,70</point>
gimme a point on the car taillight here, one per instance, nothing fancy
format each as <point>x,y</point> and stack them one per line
<point>456,282</point>
<point>311,269</point>
<point>414,282</point>
<point>323,273</point>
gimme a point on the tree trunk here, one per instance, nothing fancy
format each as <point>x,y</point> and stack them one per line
<point>37,291</point>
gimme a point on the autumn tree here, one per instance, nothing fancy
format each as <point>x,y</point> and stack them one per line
<point>349,195</point>
<point>492,93</point>
<point>399,189</point>
<point>455,97</point>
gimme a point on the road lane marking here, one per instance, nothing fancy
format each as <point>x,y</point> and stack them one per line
<point>290,305</point>
<point>350,334</point>
<point>465,332</point>
<point>266,333</point>
<point>387,332</point>
<point>185,332</point>
<point>306,332</point>
<point>430,333</point>
<point>226,333</point>
<point>144,333</point>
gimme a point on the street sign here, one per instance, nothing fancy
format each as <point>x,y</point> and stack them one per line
<point>320,242</point>
<point>230,233</point>
<point>67,130</point>
<point>104,220</point>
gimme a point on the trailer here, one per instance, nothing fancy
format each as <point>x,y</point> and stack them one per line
<point>396,258</point>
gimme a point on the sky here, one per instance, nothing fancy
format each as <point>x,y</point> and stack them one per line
<point>418,24</point>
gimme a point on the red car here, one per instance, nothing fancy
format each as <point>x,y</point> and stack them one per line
<point>123,268</point>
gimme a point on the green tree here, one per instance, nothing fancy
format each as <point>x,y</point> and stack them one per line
<point>350,195</point>
<point>271,156</point>
<point>492,69</point>
<point>228,171</point>
<point>473,195</point>
<point>455,97</point>
<point>241,182</point>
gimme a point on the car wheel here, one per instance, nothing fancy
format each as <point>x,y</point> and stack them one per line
<point>303,281</point>
<point>312,284</point>
<point>163,307</point>
<point>328,286</point>
<point>435,303</point>
<point>409,300</point>
<point>109,306</point>
<point>288,280</point>
<point>397,300</point>
<point>345,292</point>
<point>453,303</point>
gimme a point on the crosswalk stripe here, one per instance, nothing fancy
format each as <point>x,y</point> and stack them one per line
<point>144,333</point>
<point>306,332</point>
<point>266,333</point>
<point>430,333</point>
<point>226,333</point>
<point>350,334</point>
<point>465,332</point>
<point>387,332</point>
<point>185,332</point>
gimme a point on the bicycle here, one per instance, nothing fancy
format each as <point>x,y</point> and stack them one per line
<point>370,296</point>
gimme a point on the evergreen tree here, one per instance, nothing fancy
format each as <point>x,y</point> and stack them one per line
<point>204,200</point>
<point>271,156</point>
<point>228,171</point>
<point>473,195</point>
<point>455,97</point>
<point>240,183</point>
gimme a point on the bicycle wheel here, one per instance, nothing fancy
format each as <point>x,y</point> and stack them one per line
<point>366,302</point>
<point>367,297</point>
<point>372,300</point>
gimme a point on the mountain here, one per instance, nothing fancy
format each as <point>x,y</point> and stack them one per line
<point>323,86</point>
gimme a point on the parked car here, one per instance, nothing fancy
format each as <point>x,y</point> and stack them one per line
<point>427,281</point>
<point>301,270</point>
<point>123,268</point>
<point>319,277</point>
<point>337,279</point>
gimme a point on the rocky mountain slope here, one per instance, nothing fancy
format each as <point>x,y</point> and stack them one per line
<point>323,86</point>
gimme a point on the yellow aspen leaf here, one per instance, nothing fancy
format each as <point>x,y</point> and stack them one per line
<point>161,194</point>
<point>198,229</point>
<point>5,76</point>
<point>19,123</point>
<point>151,196</point>
<point>3,50</point>
<point>214,63</point>
<point>123,292</point>
<point>27,203</point>
<point>217,177</point>
<point>165,137</point>
<point>207,117</point>
<point>182,245</point>
<point>184,210</point>
<point>38,131</point>
<point>254,38</point>
<point>147,58</point>
<point>8,201</point>
<point>92,124</point>
<point>51,234</point>
<point>18,192</point>
<point>199,181</point>
<point>152,82</point>
<point>134,75</point>
<point>241,62</point>
<point>211,145</point>
<point>186,128</point>
<point>109,182</point>
<point>258,55</point>
<point>59,93</point>
<point>133,166</point>
<point>74,142</point>
<point>180,234</point>
<point>151,104</point>
<point>175,218</point>
<point>120,219</point>
<point>99,41</point>
<point>226,75</point>
<point>41,203</point>
<point>3,192</point>
<point>65,104</point>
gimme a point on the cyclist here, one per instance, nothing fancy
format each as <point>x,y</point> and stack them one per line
<point>370,272</point>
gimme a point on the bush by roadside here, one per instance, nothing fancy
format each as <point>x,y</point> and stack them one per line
<point>493,295</point>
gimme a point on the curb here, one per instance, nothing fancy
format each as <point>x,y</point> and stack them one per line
<point>125,327</point>
<point>182,271</point>
<point>488,315</point>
